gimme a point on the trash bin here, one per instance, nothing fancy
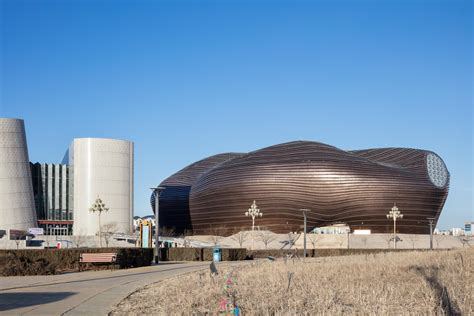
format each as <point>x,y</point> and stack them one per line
<point>217,254</point>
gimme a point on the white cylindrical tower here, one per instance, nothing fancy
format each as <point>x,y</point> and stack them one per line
<point>102,168</point>
<point>17,205</point>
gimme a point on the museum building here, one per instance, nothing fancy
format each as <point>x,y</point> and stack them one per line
<point>356,188</point>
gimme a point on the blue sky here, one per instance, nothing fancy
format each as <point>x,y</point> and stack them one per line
<point>188,79</point>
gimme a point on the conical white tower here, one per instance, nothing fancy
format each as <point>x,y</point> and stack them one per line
<point>17,206</point>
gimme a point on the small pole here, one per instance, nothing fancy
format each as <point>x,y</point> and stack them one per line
<point>348,232</point>
<point>157,227</point>
<point>431,220</point>
<point>304,232</point>
<point>156,192</point>
<point>394,233</point>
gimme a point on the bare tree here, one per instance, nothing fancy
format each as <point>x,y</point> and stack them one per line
<point>412,239</point>
<point>314,239</point>
<point>465,240</point>
<point>266,237</point>
<point>388,239</point>
<point>187,232</point>
<point>437,238</point>
<point>107,231</point>
<point>21,235</point>
<point>79,239</point>
<point>183,235</point>
<point>291,239</point>
<point>216,234</point>
<point>167,231</point>
<point>240,237</point>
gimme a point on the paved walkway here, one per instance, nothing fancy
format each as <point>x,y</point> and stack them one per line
<point>84,293</point>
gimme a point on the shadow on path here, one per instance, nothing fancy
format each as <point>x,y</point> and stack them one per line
<point>92,278</point>
<point>10,301</point>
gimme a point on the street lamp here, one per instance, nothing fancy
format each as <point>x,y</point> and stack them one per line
<point>99,207</point>
<point>253,212</point>
<point>394,213</point>
<point>156,193</point>
<point>304,210</point>
<point>431,220</point>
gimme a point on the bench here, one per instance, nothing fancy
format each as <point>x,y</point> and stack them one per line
<point>106,257</point>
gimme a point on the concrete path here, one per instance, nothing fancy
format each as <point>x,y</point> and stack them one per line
<point>84,293</point>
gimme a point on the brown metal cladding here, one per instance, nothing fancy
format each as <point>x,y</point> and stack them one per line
<point>353,187</point>
<point>174,200</point>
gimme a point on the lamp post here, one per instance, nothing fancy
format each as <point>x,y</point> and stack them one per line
<point>156,192</point>
<point>304,210</point>
<point>253,212</point>
<point>99,207</point>
<point>431,220</point>
<point>394,213</point>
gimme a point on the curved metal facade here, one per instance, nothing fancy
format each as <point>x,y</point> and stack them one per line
<point>353,187</point>
<point>17,208</point>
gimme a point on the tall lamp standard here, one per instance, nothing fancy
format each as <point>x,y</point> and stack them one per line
<point>156,193</point>
<point>99,207</point>
<point>304,210</point>
<point>395,214</point>
<point>253,212</point>
<point>431,220</point>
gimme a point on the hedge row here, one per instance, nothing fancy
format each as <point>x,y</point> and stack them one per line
<point>201,254</point>
<point>232,254</point>
<point>52,261</point>
<point>277,253</point>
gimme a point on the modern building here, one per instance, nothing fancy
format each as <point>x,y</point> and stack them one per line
<point>102,168</point>
<point>52,187</point>
<point>356,188</point>
<point>58,197</point>
<point>468,227</point>
<point>17,206</point>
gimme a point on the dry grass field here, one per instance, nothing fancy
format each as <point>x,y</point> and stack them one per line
<point>437,282</point>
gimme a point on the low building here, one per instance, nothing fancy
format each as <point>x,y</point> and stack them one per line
<point>457,231</point>
<point>468,227</point>
<point>52,184</point>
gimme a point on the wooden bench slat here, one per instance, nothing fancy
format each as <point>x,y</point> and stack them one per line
<point>98,257</point>
<point>105,257</point>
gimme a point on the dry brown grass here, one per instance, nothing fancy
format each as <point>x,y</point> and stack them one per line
<point>438,282</point>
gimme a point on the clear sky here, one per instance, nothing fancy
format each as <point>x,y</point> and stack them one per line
<point>188,79</point>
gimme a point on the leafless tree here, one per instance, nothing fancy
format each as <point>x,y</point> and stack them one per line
<point>216,234</point>
<point>388,239</point>
<point>465,240</point>
<point>314,239</point>
<point>437,238</point>
<point>240,237</point>
<point>167,231</point>
<point>18,237</point>
<point>183,235</point>
<point>187,232</point>
<point>266,237</point>
<point>79,239</point>
<point>412,239</point>
<point>107,231</point>
<point>291,239</point>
